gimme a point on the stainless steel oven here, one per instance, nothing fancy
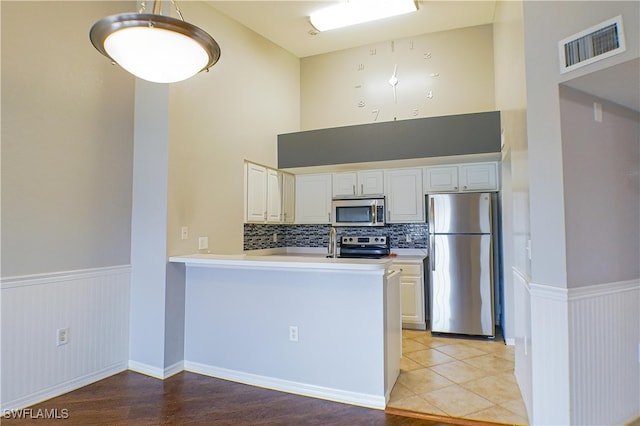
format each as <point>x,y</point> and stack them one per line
<point>358,211</point>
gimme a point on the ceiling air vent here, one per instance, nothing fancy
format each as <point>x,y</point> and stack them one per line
<point>591,45</point>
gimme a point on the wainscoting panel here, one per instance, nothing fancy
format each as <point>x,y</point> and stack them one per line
<point>604,339</point>
<point>93,305</point>
<point>522,330</point>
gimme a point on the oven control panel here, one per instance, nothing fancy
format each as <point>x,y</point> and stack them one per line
<point>364,241</point>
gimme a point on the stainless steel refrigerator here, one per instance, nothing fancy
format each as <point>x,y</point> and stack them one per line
<point>461,260</point>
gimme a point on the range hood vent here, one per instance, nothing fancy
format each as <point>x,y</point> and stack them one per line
<point>593,44</point>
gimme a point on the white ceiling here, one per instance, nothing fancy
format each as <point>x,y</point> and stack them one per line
<point>286,23</point>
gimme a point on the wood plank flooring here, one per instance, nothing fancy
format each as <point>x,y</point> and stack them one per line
<point>129,398</point>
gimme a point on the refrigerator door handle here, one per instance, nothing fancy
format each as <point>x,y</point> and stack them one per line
<point>432,252</point>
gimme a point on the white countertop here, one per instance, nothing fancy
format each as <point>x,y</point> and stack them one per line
<point>284,260</point>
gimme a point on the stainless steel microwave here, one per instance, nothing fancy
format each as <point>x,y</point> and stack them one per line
<point>358,211</point>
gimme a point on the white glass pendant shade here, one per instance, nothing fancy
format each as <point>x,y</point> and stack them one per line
<point>155,48</point>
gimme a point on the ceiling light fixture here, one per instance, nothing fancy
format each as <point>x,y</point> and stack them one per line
<point>155,47</point>
<point>359,11</point>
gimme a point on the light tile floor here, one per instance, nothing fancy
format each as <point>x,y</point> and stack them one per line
<point>458,377</point>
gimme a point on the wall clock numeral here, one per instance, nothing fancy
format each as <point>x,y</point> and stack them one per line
<point>360,67</point>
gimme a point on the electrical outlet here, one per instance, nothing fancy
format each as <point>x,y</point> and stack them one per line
<point>184,232</point>
<point>62,336</point>
<point>275,237</point>
<point>203,243</point>
<point>407,238</point>
<point>293,333</point>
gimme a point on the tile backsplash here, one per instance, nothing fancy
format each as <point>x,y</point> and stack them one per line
<point>261,236</point>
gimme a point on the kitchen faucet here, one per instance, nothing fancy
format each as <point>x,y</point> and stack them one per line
<point>333,243</point>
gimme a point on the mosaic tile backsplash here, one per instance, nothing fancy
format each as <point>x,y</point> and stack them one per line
<point>259,236</point>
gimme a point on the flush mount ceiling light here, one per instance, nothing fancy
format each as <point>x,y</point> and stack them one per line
<point>155,47</point>
<point>359,11</point>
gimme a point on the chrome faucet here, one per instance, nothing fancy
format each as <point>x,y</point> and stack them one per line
<point>333,243</point>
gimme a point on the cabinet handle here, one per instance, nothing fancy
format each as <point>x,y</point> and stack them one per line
<point>353,189</point>
<point>361,188</point>
<point>265,215</point>
<point>329,216</point>
<point>455,187</point>
<point>465,187</point>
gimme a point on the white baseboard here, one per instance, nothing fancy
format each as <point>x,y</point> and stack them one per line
<point>336,395</point>
<point>155,372</point>
<point>63,388</point>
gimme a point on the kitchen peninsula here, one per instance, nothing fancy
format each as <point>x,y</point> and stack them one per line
<point>306,324</point>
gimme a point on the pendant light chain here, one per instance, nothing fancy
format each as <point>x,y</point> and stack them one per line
<point>175,5</point>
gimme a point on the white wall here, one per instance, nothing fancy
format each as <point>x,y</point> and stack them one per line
<point>346,87</point>
<point>511,100</point>
<point>67,141</point>
<point>67,147</point>
<point>558,343</point>
<point>216,121</point>
<point>601,165</point>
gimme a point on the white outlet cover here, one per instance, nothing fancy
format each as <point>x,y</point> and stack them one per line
<point>203,243</point>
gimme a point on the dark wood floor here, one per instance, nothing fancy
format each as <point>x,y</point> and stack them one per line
<point>130,398</point>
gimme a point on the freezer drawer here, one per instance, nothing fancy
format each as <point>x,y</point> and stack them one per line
<point>461,284</point>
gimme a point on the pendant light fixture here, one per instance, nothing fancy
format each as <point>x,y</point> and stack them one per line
<point>154,47</point>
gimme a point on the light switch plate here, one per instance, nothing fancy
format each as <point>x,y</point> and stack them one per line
<point>203,243</point>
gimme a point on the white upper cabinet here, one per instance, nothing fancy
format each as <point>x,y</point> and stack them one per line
<point>441,179</point>
<point>256,200</point>
<point>369,182</point>
<point>313,198</point>
<point>461,178</point>
<point>479,177</point>
<point>274,196</point>
<point>405,197</point>
<point>288,198</point>
<point>264,198</point>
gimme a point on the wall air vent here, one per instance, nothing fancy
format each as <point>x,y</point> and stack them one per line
<point>591,45</point>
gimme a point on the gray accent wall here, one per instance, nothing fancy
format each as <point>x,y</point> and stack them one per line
<point>463,134</point>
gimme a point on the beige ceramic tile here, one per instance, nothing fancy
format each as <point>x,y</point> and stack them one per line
<point>410,334</point>
<point>498,414</point>
<point>496,389</point>
<point>461,351</point>
<point>415,403</point>
<point>400,391</point>
<point>491,363</point>
<point>410,345</point>
<point>487,345</point>
<point>407,364</point>
<point>430,357</point>
<point>423,381</point>
<point>432,342</point>
<point>459,372</point>
<point>457,401</point>
<point>517,406</point>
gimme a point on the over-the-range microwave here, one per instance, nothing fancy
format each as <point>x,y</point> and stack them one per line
<point>358,211</point>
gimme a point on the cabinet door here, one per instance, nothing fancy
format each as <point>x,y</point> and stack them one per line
<point>313,200</point>
<point>256,193</point>
<point>370,182</point>
<point>274,196</point>
<point>288,197</point>
<point>344,184</point>
<point>412,289</point>
<point>405,198</point>
<point>479,177</point>
<point>441,179</point>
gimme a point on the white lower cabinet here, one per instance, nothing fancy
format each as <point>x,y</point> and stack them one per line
<point>412,291</point>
